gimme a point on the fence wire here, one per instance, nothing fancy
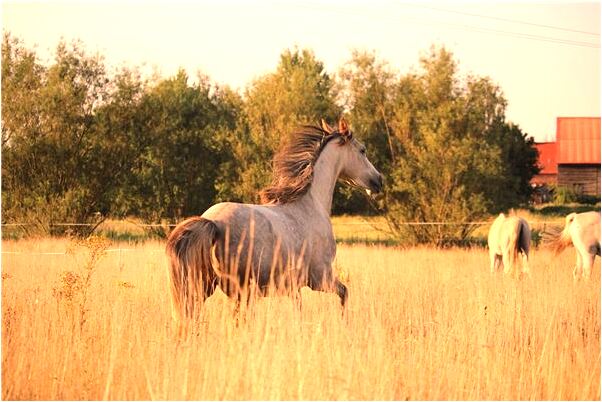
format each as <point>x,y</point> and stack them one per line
<point>113,250</point>
<point>337,224</point>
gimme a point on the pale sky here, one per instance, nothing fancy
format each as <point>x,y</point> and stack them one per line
<point>544,55</point>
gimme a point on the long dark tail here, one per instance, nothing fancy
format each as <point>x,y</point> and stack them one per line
<point>524,239</point>
<point>191,274</point>
<point>564,239</point>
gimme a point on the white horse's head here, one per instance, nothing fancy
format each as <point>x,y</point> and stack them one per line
<point>356,169</point>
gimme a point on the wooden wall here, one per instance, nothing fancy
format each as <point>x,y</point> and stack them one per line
<point>584,179</point>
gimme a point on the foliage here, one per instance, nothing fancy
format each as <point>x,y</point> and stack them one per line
<point>449,153</point>
<point>564,195</point>
<point>519,165</point>
<point>78,147</point>
<point>82,145</point>
<point>50,146</point>
<point>185,146</point>
<point>564,210</point>
<point>589,199</point>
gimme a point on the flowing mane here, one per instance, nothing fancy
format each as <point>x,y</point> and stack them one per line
<point>293,164</point>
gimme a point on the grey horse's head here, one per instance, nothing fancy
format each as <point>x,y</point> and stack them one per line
<point>356,168</point>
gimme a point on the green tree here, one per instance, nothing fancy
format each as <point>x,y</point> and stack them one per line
<point>185,147</point>
<point>122,126</point>
<point>453,149</point>
<point>79,146</point>
<point>49,138</point>
<point>519,165</point>
<point>298,92</point>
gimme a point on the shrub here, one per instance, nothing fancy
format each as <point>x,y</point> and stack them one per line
<point>564,195</point>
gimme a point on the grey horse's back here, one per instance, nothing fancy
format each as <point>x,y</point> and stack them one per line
<point>248,246</point>
<point>238,222</point>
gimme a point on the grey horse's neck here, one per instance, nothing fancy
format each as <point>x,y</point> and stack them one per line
<point>326,172</point>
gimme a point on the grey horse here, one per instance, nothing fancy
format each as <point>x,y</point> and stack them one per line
<point>287,240</point>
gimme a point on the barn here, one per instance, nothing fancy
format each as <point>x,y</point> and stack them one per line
<point>578,154</point>
<point>573,160</point>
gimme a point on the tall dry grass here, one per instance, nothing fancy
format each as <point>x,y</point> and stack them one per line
<point>421,324</point>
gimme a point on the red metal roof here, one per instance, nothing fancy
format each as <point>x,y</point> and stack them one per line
<point>547,157</point>
<point>578,140</point>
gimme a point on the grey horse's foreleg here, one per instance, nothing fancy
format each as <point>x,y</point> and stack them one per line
<point>327,283</point>
<point>342,291</point>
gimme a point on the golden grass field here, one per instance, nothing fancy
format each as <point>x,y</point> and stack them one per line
<point>421,323</point>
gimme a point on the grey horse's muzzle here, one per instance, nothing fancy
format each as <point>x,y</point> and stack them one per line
<point>376,184</point>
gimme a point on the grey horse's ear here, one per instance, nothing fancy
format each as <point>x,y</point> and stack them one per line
<point>326,127</point>
<point>344,129</point>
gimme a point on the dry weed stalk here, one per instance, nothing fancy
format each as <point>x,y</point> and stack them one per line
<point>73,286</point>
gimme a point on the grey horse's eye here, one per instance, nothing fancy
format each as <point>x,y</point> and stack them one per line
<point>363,150</point>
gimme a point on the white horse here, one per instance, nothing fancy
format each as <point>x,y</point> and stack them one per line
<point>508,236</point>
<point>583,230</point>
<point>288,240</point>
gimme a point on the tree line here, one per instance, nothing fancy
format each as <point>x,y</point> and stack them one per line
<point>80,143</point>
